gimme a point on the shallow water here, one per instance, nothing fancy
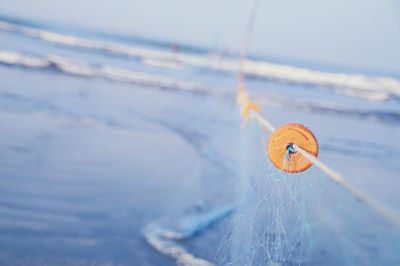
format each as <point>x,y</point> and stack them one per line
<point>103,138</point>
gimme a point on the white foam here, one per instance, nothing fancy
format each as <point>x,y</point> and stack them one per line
<point>385,115</point>
<point>164,239</point>
<point>11,58</point>
<point>84,69</point>
<point>372,88</point>
<point>158,239</point>
<point>160,63</point>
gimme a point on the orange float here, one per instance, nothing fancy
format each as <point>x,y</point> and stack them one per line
<point>283,155</point>
<point>249,107</point>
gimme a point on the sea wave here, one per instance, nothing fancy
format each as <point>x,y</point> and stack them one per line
<point>333,108</point>
<point>375,88</point>
<point>83,69</point>
<point>86,70</point>
<point>163,235</point>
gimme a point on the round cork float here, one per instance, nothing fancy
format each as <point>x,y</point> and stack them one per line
<point>247,108</point>
<point>280,150</point>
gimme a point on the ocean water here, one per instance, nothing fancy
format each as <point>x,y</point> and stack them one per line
<point>118,150</point>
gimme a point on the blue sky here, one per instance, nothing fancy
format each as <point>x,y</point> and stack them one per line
<point>357,33</point>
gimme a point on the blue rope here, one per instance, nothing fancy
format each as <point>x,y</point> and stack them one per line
<point>290,149</point>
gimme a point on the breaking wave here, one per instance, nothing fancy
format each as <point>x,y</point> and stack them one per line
<point>379,115</point>
<point>375,88</point>
<point>163,235</point>
<point>87,70</point>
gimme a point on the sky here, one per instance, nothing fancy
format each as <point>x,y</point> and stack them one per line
<point>356,33</point>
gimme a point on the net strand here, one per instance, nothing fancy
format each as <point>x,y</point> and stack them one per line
<point>389,214</point>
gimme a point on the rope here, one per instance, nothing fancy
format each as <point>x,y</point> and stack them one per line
<point>264,122</point>
<point>251,110</point>
<point>246,44</point>
<point>389,214</point>
<point>290,150</point>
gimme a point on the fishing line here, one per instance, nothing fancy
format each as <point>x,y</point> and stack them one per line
<point>246,44</point>
<point>389,214</point>
<point>276,221</point>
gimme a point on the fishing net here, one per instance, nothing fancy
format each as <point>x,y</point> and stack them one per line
<point>299,219</point>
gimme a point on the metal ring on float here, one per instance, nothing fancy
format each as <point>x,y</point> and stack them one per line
<point>283,155</point>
